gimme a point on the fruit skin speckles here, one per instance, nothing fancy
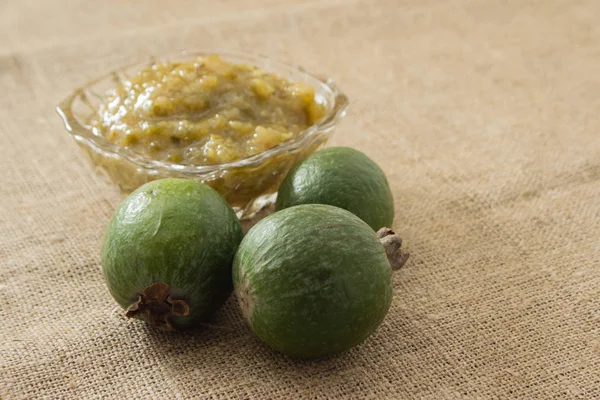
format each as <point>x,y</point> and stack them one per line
<point>167,253</point>
<point>341,177</point>
<point>312,280</point>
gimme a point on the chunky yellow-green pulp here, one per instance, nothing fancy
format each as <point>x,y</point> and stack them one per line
<point>206,111</point>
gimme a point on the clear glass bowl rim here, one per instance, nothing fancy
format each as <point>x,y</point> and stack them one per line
<point>86,137</point>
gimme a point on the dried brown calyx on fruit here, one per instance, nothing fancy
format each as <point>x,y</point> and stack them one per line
<point>392,245</point>
<point>156,306</point>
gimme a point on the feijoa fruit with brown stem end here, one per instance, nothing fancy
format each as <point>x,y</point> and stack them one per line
<point>167,253</point>
<point>315,280</point>
<point>341,177</point>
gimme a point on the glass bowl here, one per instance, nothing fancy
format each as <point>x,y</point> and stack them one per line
<point>248,184</point>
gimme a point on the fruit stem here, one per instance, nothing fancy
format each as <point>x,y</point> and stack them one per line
<point>156,305</point>
<point>392,243</point>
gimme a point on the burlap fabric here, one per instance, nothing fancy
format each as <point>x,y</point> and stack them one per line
<point>485,116</point>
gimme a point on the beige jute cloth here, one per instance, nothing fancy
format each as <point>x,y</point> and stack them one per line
<point>485,115</point>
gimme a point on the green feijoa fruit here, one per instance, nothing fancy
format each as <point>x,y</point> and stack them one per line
<point>168,250</point>
<point>315,280</point>
<point>341,177</point>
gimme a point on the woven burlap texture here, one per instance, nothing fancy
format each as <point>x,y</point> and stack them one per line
<point>483,114</point>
